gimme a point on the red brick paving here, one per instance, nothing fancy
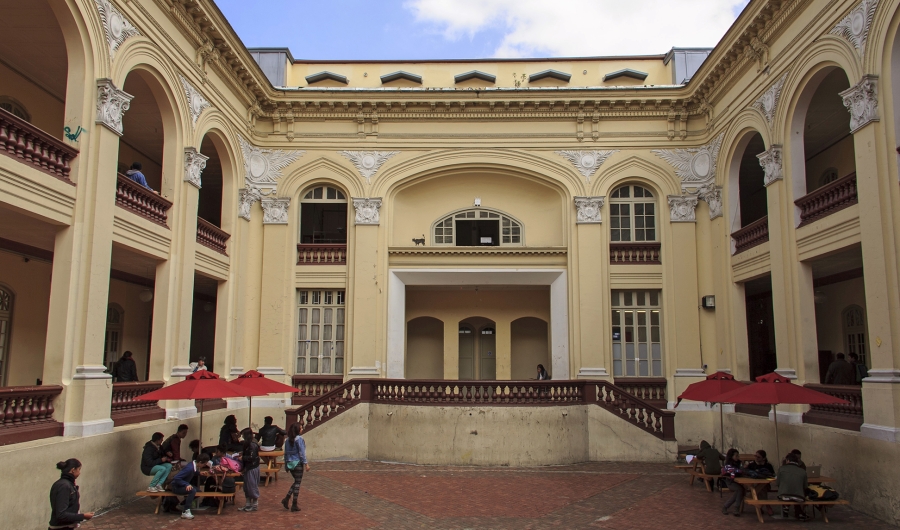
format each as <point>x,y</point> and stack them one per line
<point>614,496</point>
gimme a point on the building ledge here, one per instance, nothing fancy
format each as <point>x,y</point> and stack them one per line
<point>479,251</point>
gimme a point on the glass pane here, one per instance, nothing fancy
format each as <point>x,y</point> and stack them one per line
<point>617,368</point>
<point>657,369</point>
<point>338,349</point>
<point>301,365</point>
<point>315,315</point>
<point>341,196</point>
<point>654,300</point>
<point>313,365</point>
<point>302,333</point>
<point>656,351</point>
<point>331,194</point>
<point>304,297</point>
<point>340,316</point>
<point>654,317</point>
<point>326,365</point>
<point>643,368</point>
<point>328,297</point>
<point>617,351</point>
<point>316,297</point>
<point>317,193</point>
<point>339,332</point>
<point>654,334</point>
<point>629,351</point>
<point>328,311</point>
<point>326,332</point>
<point>338,366</point>
<point>314,335</point>
<point>642,351</point>
<point>340,301</point>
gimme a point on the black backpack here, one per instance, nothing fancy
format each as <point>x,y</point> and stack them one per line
<point>170,504</point>
<point>228,485</point>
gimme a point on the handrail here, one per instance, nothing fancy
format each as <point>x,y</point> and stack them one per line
<point>842,416</point>
<point>755,233</point>
<point>125,409</point>
<point>645,253</point>
<point>828,199</point>
<point>211,236</point>
<point>27,405</point>
<point>650,389</point>
<point>658,422</point>
<point>321,254</point>
<point>329,405</point>
<point>22,140</point>
<point>132,196</point>
<point>313,386</point>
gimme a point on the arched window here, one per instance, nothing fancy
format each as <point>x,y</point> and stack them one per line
<point>854,323</point>
<point>323,216</point>
<point>6,307</point>
<point>112,344</point>
<point>478,227</point>
<point>632,214</point>
<point>15,108</point>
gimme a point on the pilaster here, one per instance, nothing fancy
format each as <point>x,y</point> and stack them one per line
<point>592,340</point>
<point>276,300</point>
<point>451,350</point>
<point>363,357</point>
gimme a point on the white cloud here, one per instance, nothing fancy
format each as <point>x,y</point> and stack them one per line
<point>582,27</point>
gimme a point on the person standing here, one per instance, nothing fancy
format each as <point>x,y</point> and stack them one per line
<point>135,174</point>
<point>126,369</point>
<point>840,372</point>
<point>65,501</point>
<point>295,462</point>
<point>201,364</point>
<point>182,483</point>
<point>250,470</point>
<point>154,463</point>
<point>862,371</point>
<point>542,374</point>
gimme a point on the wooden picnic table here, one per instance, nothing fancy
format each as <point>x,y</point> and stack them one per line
<point>273,466</point>
<point>757,485</point>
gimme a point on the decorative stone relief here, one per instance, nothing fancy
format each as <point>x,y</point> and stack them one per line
<point>695,166</point>
<point>771,163</point>
<point>195,100</point>
<point>368,162</point>
<point>713,197</point>
<point>862,102</point>
<point>683,208</point>
<point>115,25</point>
<point>246,198</point>
<point>367,210</point>
<point>262,169</point>
<point>855,26</point>
<point>589,209</point>
<point>275,210</point>
<point>757,51</point>
<point>111,105</point>
<point>194,164</point>
<point>768,102</point>
<point>587,162</point>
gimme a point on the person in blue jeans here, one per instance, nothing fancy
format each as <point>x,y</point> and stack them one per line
<point>181,484</point>
<point>154,463</point>
<point>295,462</point>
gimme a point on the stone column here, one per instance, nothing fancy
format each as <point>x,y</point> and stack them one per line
<point>451,349</point>
<point>593,347</point>
<point>503,345</point>
<point>365,335</point>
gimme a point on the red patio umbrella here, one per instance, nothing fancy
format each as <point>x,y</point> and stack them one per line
<point>257,381</point>
<point>709,390</point>
<point>774,389</point>
<point>201,385</point>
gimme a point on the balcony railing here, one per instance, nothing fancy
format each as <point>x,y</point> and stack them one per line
<point>211,236</point>
<point>26,413</point>
<point>313,387</point>
<point>322,254</point>
<point>650,389</point>
<point>125,410</point>
<point>149,205</point>
<point>22,140</point>
<point>828,199</point>
<point>755,233</point>
<point>848,417</point>
<point>634,253</point>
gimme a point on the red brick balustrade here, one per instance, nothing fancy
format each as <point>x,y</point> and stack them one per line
<point>22,140</point>
<point>634,253</point>
<point>211,236</point>
<point>138,199</point>
<point>27,413</point>
<point>839,416</point>
<point>478,392</point>
<point>125,410</point>
<point>313,386</point>
<point>650,389</point>
<point>755,233</point>
<point>321,254</point>
<point>828,199</point>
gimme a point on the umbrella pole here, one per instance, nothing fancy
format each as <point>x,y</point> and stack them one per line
<point>201,425</point>
<point>250,416</point>
<point>775,414</point>
<point>722,426</point>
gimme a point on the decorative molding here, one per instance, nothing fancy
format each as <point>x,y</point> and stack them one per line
<point>262,169</point>
<point>771,163</point>
<point>757,51</point>
<point>275,210</point>
<point>690,372</point>
<point>882,376</point>
<point>712,195</point>
<point>592,373</point>
<point>194,164</point>
<point>368,162</point>
<point>862,101</point>
<point>768,102</point>
<point>111,105</point>
<point>91,371</point>
<point>589,209</point>
<point>788,373</point>
<point>587,162</point>
<point>683,208</point>
<point>695,166</point>
<point>855,26</point>
<point>117,28</point>
<point>182,371</point>
<point>246,198</point>
<point>195,100</point>
<point>367,210</point>
<point>880,432</point>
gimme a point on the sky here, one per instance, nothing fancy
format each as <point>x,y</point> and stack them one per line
<point>474,29</point>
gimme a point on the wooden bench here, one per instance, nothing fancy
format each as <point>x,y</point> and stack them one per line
<point>200,494</point>
<point>822,505</point>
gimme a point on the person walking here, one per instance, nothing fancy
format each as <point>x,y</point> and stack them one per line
<point>250,470</point>
<point>154,463</point>
<point>840,372</point>
<point>65,501</point>
<point>295,462</point>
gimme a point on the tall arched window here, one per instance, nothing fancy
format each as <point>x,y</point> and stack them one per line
<point>323,216</point>
<point>478,227</point>
<point>112,344</point>
<point>854,323</point>
<point>632,214</point>
<point>6,307</point>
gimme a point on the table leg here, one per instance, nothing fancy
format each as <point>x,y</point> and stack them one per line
<point>158,504</point>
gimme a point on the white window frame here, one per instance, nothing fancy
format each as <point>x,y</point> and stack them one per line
<point>321,343</point>
<point>309,193</point>
<point>477,214</point>
<point>630,356</point>
<point>631,202</point>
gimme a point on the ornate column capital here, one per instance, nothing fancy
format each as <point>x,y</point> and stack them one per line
<point>587,162</point>
<point>194,164</point>
<point>367,210</point>
<point>368,162</point>
<point>111,105</point>
<point>862,101</point>
<point>771,163</point>
<point>589,209</point>
<point>275,210</point>
<point>713,197</point>
<point>683,208</point>
<point>246,198</point>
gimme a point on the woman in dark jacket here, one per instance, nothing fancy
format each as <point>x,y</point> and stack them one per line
<point>229,435</point>
<point>64,498</point>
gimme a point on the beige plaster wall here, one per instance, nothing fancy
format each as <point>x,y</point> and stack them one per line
<point>136,329</point>
<point>530,342</point>
<point>840,155</point>
<point>829,324</point>
<point>46,109</point>
<point>30,283</point>
<point>613,439</point>
<point>345,437</point>
<point>424,348</point>
<point>497,305</point>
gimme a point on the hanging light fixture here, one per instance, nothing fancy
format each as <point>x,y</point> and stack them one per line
<point>146,295</point>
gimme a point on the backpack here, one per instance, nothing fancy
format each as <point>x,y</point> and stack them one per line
<point>228,485</point>
<point>821,492</point>
<point>233,465</point>
<point>170,504</point>
<point>250,455</point>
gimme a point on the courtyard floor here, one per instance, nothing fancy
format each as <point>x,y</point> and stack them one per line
<point>362,495</point>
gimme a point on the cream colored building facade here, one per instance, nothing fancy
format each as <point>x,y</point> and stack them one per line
<point>609,218</point>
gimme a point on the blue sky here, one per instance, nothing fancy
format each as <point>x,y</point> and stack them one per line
<point>465,29</point>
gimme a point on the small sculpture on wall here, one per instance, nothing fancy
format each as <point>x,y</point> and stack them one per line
<point>419,241</point>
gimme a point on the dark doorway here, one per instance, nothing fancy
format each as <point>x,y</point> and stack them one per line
<point>760,326</point>
<point>323,223</point>
<point>478,233</point>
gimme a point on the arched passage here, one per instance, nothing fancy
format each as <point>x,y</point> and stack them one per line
<point>209,202</point>
<point>530,347</point>
<point>425,348</point>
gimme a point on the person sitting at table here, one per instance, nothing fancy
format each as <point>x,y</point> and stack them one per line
<point>710,456</point>
<point>268,435</point>
<point>229,435</point>
<point>792,482</point>
<point>154,463</point>
<point>762,468</point>
<point>799,458</point>
<point>172,446</point>
<point>182,483</point>
<point>732,470</point>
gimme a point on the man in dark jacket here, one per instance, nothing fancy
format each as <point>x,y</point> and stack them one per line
<point>268,435</point>
<point>172,446</point>
<point>840,372</point>
<point>181,484</point>
<point>792,483</point>
<point>126,369</point>
<point>154,463</point>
